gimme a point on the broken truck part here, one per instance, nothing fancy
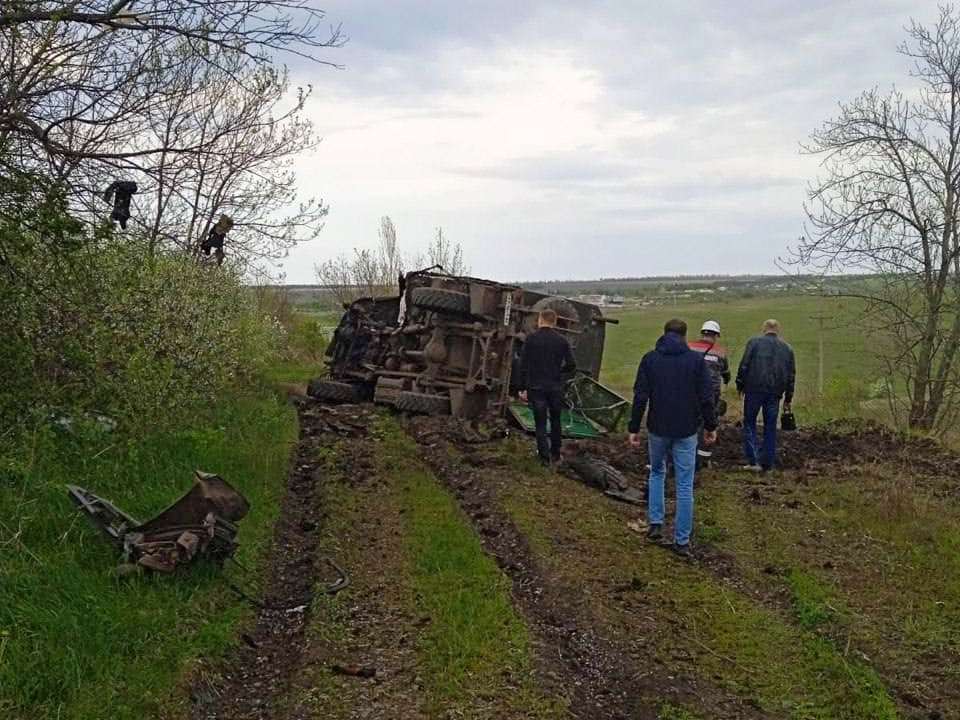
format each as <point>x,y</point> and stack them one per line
<point>597,472</point>
<point>201,523</point>
<point>450,345</point>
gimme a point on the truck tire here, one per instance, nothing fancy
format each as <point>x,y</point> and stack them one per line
<point>440,300</point>
<point>333,391</point>
<point>423,404</point>
<point>563,307</point>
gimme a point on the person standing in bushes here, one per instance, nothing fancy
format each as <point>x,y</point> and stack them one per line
<point>546,362</point>
<point>715,355</point>
<point>675,382</point>
<point>766,374</point>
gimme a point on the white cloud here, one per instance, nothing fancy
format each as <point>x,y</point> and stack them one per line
<point>627,140</point>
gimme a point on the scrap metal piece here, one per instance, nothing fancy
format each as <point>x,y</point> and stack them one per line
<point>199,524</point>
<point>342,581</point>
<point>120,192</point>
<point>102,514</point>
<point>602,475</point>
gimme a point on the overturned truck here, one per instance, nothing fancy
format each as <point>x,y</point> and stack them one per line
<point>450,345</point>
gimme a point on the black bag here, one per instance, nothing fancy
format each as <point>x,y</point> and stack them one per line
<point>788,422</point>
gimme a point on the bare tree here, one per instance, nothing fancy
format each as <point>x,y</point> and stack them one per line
<point>249,141</point>
<point>444,254</point>
<point>887,205</point>
<point>376,273</point>
<point>54,83</point>
<point>88,84</point>
<point>367,273</point>
<point>389,261</point>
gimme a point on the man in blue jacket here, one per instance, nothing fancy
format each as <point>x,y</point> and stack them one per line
<point>676,383</point>
<point>767,373</point>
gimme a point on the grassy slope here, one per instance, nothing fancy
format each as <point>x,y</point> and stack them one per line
<point>74,638</point>
<point>847,366</point>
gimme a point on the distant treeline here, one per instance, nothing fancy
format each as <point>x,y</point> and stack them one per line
<point>640,287</point>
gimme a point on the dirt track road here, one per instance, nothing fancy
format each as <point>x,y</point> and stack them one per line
<point>616,628</point>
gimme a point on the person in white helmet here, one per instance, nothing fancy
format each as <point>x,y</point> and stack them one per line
<point>715,356</point>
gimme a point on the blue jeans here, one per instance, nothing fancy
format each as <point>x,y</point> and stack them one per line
<point>684,451</point>
<point>753,404</point>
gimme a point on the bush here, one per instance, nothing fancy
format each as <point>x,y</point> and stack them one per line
<point>106,330</point>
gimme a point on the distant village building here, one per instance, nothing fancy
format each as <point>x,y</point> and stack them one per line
<point>602,300</point>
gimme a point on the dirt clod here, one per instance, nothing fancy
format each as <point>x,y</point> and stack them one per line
<point>354,670</point>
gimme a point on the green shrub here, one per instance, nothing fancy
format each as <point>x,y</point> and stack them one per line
<point>106,330</point>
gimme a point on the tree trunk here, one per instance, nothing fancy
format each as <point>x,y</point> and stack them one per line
<point>919,400</point>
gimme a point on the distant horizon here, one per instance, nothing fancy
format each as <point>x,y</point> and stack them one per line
<point>646,278</point>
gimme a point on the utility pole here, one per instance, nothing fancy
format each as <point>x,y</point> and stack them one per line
<point>820,318</point>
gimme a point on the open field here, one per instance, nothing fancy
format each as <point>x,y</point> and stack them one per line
<point>849,368</point>
<point>481,585</point>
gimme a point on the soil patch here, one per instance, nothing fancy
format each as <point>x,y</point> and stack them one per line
<point>846,446</point>
<point>360,655</point>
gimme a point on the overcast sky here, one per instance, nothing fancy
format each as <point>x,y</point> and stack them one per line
<point>582,140</point>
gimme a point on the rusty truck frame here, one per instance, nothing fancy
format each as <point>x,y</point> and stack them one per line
<point>448,344</point>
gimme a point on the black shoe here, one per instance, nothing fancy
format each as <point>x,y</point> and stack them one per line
<point>655,533</point>
<point>682,550</point>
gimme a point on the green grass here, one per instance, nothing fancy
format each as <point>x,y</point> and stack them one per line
<point>669,711</point>
<point>849,369</point>
<point>882,574</point>
<point>74,638</point>
<point>735,641</point>
<point>296,370</point>
<point>475,651</point>
<point>811,599</point>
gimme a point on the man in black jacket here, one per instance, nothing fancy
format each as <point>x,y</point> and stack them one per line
<point>546,362</point>
<point>767,373</point>
<point>676,383</point>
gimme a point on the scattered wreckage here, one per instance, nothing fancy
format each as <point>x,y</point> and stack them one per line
<point>450,345</point>
<point>598,473</point>
<point>201,524</point>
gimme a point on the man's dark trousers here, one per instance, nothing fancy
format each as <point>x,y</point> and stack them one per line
<point>546,403</point>
<point>753,404</point>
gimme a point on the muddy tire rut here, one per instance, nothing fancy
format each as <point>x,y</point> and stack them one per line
<point>601,676</point>
<point>259,671</point>
<point>579,654</point>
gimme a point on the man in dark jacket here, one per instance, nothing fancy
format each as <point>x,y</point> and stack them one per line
<point>767,373</point>
<point>676,383</point>
<point>546,363</point>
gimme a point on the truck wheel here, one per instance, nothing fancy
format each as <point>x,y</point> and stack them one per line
<point>563,307</point>
<point>422,404</point>
<point>333,391</point>
<point>440,300</point>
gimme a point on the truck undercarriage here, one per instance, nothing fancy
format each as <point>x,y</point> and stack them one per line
<point>451,345</point>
